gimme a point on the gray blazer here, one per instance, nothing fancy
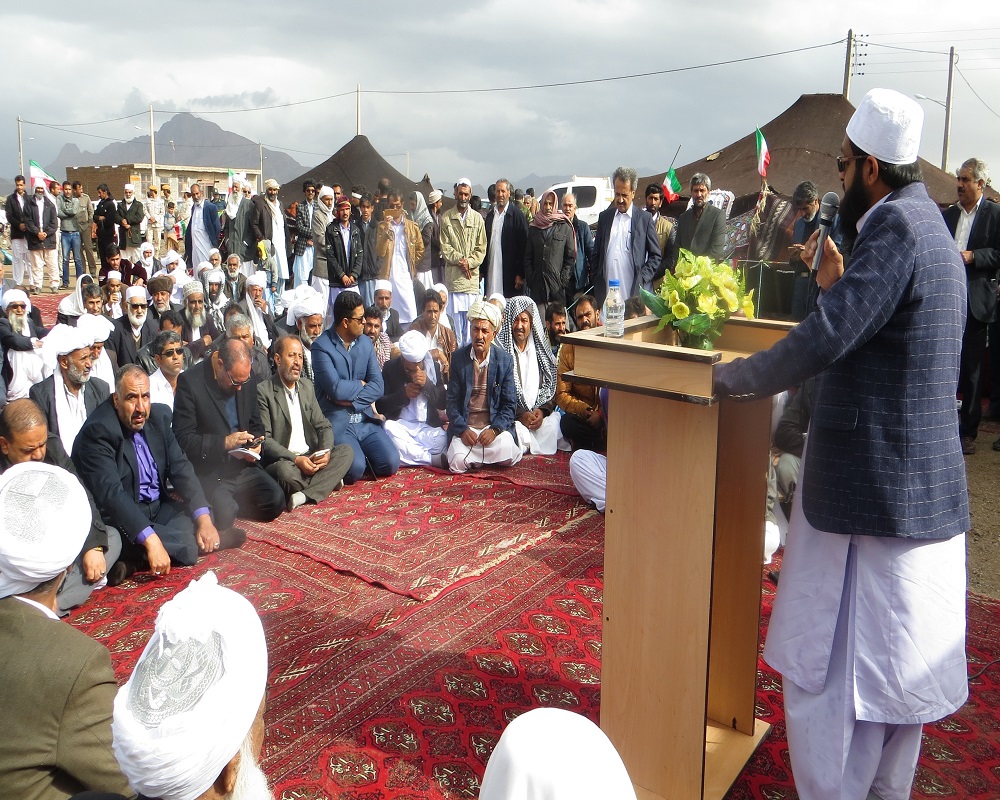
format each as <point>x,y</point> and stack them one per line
<point>705,236</point>
<point>277,421</point>
<point>44,395</point>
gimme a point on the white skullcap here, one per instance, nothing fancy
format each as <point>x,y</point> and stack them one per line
<point>326,191</point>
<point>44,521</point>
<point>483,310</point>
<point>96,325</point>
<point>14,294</point>
<point>193,286</point>
<point>501,298</point>
<point>414,348</point>
<point>129,187</point>
<point>259,278</point>
<point>383,286</point>
<point>540,754</point>
<point>887,125</point>
<point>433,196</point>
<point>216,276</point>
<point>194,693</point>
<point>463,182</point>
<point>215,250</point>
<point>135,291</point>
<point>303,301</point>
<point>146,246</point>
<point>171,257</point>
<point>113,275</point>
<point>63,340</point>
<point>202,266</point>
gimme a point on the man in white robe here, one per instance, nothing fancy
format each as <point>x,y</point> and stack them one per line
<point>22,345</point>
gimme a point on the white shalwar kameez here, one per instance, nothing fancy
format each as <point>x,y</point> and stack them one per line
<point>868,634</point>
<point>201,243</point>
<point>589,472</point>
<point>399,273</point>
<point>503,451</point>
<point>543,441</point>
<point>418,443</point>
<point>278,240</point>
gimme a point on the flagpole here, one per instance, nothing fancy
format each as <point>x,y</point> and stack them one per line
<point>674,159</point>
<point>20,148</point>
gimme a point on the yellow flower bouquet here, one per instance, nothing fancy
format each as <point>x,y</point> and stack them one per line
<point>697,299</point>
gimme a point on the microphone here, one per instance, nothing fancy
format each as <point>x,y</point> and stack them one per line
<point>827,211</point>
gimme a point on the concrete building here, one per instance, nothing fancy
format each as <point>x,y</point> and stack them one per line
<point>139,175</point>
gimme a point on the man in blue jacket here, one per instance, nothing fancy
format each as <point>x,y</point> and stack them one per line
<point>202,234</point>
<point>868,628</point>
<point>482,398</point>
<point>348,382</point>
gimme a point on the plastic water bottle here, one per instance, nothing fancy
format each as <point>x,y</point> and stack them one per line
<point>614,311</point>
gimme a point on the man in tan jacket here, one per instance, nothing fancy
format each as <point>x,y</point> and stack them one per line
<point>400,248</point>
<point>463,247</point>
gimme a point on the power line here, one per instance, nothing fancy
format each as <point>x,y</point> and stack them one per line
<point>98,122</point>
<point>258,108</point>
<point>994,113</point>
<point>906,49</point>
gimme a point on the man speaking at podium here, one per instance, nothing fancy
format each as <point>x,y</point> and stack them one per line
<point>868,628</point>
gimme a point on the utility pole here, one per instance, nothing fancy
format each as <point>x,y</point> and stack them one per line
<point>847,64</point>
<point>359,108</point>
<point>947,110</point>
<point>152,153</point>
<point>20,148</point>
<point>260,178</point>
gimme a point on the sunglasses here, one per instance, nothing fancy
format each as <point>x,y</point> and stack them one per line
<point>175,352</point>
<point>842,161</point>
<point>237,384</point>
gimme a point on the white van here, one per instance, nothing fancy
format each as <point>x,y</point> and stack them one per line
<point>593,195</point>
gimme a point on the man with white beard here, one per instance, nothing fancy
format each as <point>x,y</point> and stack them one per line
<point>255,307</point>
<point>203,228</point>
<point>131,213</point>
<point>305,317</point>
<point>194,733</point>
<point>154,208</point>
<point>147,265</point>
<point>236,226</point>
<point>267,222</point>
<point>21,341</point>
<point>235,285</point>
<point>160,289</point>
<point>135,329</point>
<point>104,362</point>
<point>199,330</point>
<point>217,299</point>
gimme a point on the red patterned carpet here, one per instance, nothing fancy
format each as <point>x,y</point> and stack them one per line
<point>374,695</point>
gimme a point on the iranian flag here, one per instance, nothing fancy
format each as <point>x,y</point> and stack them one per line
<point>763,155</point>
<point>38,176</point>
<point>671,186</point>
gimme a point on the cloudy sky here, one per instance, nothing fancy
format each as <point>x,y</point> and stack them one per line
<point>85,67</point>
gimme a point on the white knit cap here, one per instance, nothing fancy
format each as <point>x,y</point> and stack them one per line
<point>887,125</point>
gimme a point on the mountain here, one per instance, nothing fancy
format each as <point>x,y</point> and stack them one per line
<point>184,140</point>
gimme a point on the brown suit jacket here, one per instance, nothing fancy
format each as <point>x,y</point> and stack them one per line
<point>277,421</point>
<point>56,691</point>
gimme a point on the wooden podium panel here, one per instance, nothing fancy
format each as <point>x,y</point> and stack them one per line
<point>684,538</point>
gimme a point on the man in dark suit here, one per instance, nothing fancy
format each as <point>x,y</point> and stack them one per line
<point>342,268</point>
<point>626,246</point>
<point>41,221</point>
<point>69,395</point>
<point>105,223</point>
<point>391,325</point>
<point>15,207</point>
<point>130,216</point>
<point>975,223</point>
<point>298,440</point>
<point>216,412</point>
<point>235,285</point>
<point>701,228</point>
<point>348,382</point>
<point>482,398</point>
<point>57,687</point>
<point>130,461</point>
<point>867,625</point>
<point>503,266</point>
<point>134,329</point>
<point>204,227</point>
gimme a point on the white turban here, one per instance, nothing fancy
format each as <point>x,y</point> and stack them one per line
<point>541,755</point>
<point>487,311</point>
<point>216,276</point>
<point>170,258</point>
<point>194,694</point>
<point>63,340</point>
<point>113,275</point>
<point>14,294</point>
<point>887,125</point>
<point>463,182</point>
<point>354,289</point>
<point>441,289</point>
<point>500,298</point>
<point>303,301</point>
<point>414,348</point>
<point>383,286</point>
<point>326,191</point>
<point>215,250</point>
<point>259,278</point>
<point>201,267</point>
<point>146,247</point>
<point>44,521</point>
<point>96,325</point>
<point>135,291</point>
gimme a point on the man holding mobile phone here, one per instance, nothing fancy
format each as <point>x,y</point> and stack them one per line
<point>298,439</point>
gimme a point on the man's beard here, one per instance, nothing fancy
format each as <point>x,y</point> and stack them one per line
<point>251,783</point>
<point>162,307</point>
<point>136,319</point>
<point>213,297</point>
<point>307,340</point>
<point>197,318</point>
<point>856,202</point>
<point>77,376</point>
<point>18,322</point>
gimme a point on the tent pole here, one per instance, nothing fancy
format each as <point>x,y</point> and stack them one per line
<point>359,108</point>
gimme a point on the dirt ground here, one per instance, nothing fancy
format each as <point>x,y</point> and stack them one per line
<point>983,470</point>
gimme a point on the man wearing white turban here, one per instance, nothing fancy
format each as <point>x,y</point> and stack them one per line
<point>57,686</point>
<point>20,339</point>
<point>413,403</point>
<point>100,328</point>
<point>482,398</point>
<point>189,723</point>
<point>305,318</point>
<point>135,329</point>
<point>869,621</point>
<point>254,305</point>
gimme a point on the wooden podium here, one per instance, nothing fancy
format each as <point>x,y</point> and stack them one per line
<point>684,539</point>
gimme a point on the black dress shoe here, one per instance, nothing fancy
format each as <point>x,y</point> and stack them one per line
<point>233,537</point>
<point>120,571</point>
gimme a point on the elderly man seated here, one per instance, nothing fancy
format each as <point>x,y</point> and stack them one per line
<point>70,394</point>
<point>20,341</point>
<point>298,440</point>
<point>130,461</point>
<point>160,288</point>
<point>196,731</point>
<point>199,329</point>
<point>135,329</point>
<point>482,398</point>
<point>24,436</point>
<point>255,307</point>
<point>56,684</point>
<point>523,338</point>
<point>305,320</point>
<point>104,360</point>
<point>413,403</point>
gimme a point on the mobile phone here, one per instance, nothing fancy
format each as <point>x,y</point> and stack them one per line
<point>319,453</point>
<point>254,442</point>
